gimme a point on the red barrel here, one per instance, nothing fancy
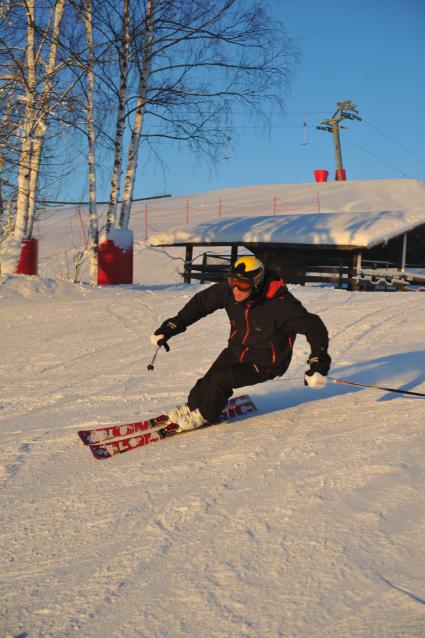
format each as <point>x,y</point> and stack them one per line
<point>321,175</point>
<point>340,175</point>
<point>28,261</point>
<point>115,264</point>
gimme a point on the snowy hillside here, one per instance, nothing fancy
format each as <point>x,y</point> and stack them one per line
<point>306,520</point>
<point>63,233</point>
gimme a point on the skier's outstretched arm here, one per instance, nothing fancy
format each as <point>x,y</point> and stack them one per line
<point>201,305</point>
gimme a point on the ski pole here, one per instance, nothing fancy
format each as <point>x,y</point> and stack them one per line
<point>167,349</point>
<point>377,387</point>
<point>151,366</point>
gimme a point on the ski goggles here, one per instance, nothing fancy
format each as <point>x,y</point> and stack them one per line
<point>240,284</point>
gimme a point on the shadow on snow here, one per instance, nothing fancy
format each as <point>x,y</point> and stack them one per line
<point>385,371</point>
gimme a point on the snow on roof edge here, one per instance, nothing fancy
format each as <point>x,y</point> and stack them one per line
<point>349,229</point>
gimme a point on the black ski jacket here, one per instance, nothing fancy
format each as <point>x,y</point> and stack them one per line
<point>263,328</point>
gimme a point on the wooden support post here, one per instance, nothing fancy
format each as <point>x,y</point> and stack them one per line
<point>204,263</point>
<point>340,272</point>
<point>355,271</point>
<point>402,262</point>
<point>188,264</point>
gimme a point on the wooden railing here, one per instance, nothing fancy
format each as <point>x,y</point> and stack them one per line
<point>341,272</point>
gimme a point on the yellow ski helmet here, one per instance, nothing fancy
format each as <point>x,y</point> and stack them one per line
<point>248,270</point>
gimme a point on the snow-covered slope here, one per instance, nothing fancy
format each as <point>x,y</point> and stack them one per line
<point>63,233</point>
<point>306,520</point>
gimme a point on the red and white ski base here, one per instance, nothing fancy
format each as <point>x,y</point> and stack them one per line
<point>142,433</point>
<point>107,432</point>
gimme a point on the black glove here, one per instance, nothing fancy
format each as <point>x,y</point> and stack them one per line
<point>160,342</point>
<point>320,364</point>
<point>168,329</point>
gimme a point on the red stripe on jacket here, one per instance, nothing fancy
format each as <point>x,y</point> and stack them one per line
<point>274,286</point>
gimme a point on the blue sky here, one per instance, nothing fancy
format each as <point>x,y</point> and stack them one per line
<point>369,51</point>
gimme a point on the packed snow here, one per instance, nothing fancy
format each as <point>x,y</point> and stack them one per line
<point>304,520</point>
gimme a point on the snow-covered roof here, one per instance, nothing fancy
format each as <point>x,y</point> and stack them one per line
<point>318,229</point>
<point>357,214</point>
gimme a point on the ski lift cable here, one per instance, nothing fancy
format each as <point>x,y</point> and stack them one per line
<point>365,150</point>
<point>408,150</point>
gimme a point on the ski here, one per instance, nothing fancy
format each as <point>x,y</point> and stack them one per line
<point>107,432</point>
<point>113,431</point>
<point>236,407</point>
<point>109,449</point>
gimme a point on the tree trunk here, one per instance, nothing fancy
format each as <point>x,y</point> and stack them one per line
<point>21,222</point>
<point>138,118</point>
<point>40,125</point>
<point>93,245</point>
<point>120,126</point>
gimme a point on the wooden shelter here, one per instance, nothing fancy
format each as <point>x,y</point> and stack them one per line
<point>347,248</point>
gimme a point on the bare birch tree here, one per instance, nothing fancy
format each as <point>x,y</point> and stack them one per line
<point>181,65</point>
<point>45,106</point>
<point>123,51</point>
<point>195,60</point>
<point>29,84</point>
<point>33,90</point>
<point>93,246</point>
<point>141,101</point>
<point>37,81</point>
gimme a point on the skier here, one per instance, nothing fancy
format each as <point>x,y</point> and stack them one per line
<point>264,321</point>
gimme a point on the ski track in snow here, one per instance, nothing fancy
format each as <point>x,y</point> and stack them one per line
<point>306,520</point>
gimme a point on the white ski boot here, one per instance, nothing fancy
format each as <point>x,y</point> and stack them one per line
<point>190,421</point>
<point>178,412</point>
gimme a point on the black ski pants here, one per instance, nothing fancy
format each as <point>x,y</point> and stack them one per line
<point>211,392</point>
